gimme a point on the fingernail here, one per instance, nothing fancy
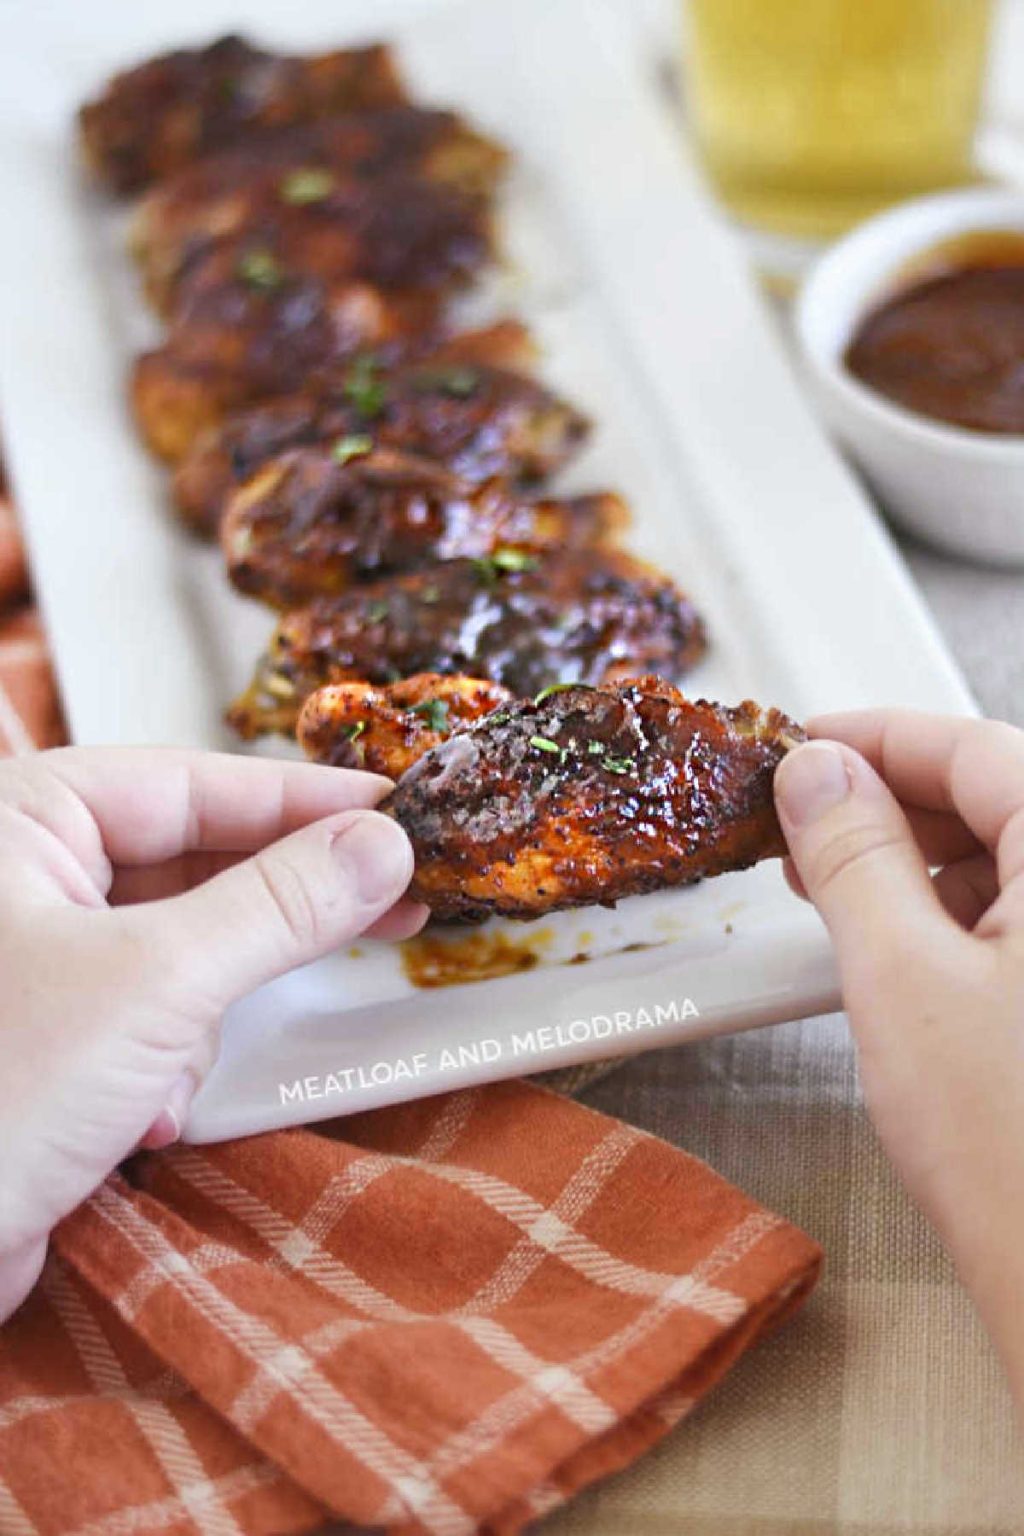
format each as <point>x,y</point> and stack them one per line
<point>166,1128</point>
<point>374,854</point>
<point>810,781</point>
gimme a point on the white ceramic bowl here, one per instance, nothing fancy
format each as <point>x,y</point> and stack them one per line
<point>956,488</point>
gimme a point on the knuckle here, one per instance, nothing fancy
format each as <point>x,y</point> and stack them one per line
<point>292,898</point>
<point>983,743</point>
<point>996,735</point>
<point>848,851</point>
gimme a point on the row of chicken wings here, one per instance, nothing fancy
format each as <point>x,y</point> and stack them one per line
<point>378,476</point>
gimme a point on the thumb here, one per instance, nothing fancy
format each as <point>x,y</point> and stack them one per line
<point>855,853</point>
<point>290,903</point>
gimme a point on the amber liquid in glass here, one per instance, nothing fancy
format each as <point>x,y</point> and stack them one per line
<point>811,114</point>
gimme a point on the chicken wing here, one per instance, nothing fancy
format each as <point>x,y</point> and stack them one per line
<point>523,621</point>
<point>252,337</point>
<point>168,111</point>
<point>225,193</point>
<point>479,421</point>
<point>316,520</point>
<point>590,795</point>
<point>354,725</point>
<point>403,234</point>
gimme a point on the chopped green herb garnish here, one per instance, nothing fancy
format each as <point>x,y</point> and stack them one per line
<point>430,594</point>
<point>499,717</point>
<point>364,387</point>
<point>376,611</point>
<point>513,560</point>
<point>260,268</point>
<point>435,714</point>
<point>491,566</point>
<point>353,732</point>
<point>355,446</point>
<point>546,693</point>
<point>545,744</point>
<point>595,748</point>
<point>614,764</point>
<point>456,380</point>
<point>308,185</point>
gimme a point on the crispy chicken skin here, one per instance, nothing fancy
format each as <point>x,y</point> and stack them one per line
<point>311,523</point>
<point>477,420</point>
<point>170,110</point>
<point>505,343</point>
<point>582,615</point>
<point>590,795</point>
<point>225,193</point>
<point>402,234</point>
<point>244,340</point>
<point>354,725</point>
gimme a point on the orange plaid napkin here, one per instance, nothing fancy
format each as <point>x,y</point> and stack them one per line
<point>441,1318</point>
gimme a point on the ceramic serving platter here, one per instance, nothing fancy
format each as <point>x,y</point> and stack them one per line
<point>649,318</point>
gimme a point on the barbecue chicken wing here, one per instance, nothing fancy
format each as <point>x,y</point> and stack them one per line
<point>583,615</point>
<point>354,725</point>
<point>477,420</point>
<point>226,193</point>
<point>316,520</point>
<point>249,338</point>
<point>403,234</point>
<point>590,795</point>
<point>170,110</point>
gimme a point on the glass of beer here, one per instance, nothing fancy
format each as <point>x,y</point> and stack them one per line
<point>811,114</point>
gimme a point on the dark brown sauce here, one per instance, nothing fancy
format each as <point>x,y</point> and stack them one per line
<point>948,340</point>
<point>432,961</point>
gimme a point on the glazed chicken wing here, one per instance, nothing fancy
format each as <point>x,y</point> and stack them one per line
<point>505,343</point>
<point>590,795</point>
<point>403,234</point>
<point>479,421</point>
<point>354,725</point>
<point>223,194</point>
<point>170,110</point>
<point>316,520</point>
<point>522,621</point>
<point>255,336</point>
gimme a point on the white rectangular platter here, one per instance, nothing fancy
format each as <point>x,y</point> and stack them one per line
<point>649,318</point>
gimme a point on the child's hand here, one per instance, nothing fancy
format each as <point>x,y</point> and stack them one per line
<point>140,893</point>
<point>932,968</point>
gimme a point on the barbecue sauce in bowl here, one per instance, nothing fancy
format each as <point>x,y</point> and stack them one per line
<point>948,341</point>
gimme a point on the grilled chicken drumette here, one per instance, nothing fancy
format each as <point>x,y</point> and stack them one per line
<point>403,234</point>
<point>216,195</point>
<point>590,795</point>
<point>479,421</point>
<point>316,520</point>
<point>170,110</point>
<point>355,725</point>
<point>385,154</point>
<point>525,622</point>
<point>258,335</point>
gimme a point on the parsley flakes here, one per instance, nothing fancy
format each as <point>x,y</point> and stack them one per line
<point>308,185</point>
<point>434,713</point>
<point>364,387</point>
<point>260,268</point>
<point>355,446</point>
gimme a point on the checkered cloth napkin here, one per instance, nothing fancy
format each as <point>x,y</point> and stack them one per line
<point>441,1318</point>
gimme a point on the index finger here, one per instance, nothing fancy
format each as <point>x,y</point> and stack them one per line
<point>144,805</point>
<point>970,768</point>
